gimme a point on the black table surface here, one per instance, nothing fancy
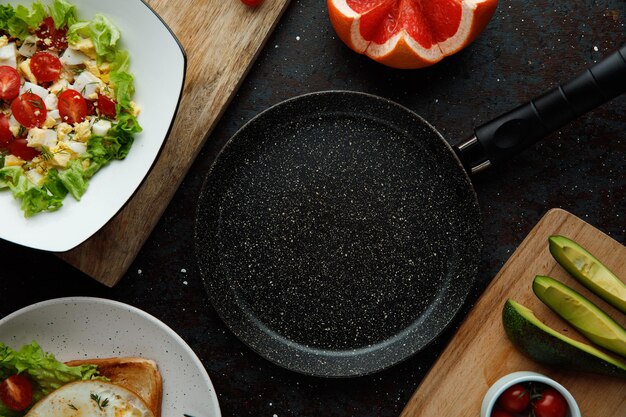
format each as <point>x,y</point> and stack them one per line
<point>527,48</point>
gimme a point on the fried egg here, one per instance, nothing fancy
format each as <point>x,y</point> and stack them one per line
<point>91,399</point>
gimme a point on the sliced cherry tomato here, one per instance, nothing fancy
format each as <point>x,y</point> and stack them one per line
<point>30,110</point>
<point>58,38</point>
<point>551,404</point>
<point>252,3</point>
<point>16,392</point>
<point>9,83</point>
<point>72,106</point>
<point>515,399</point>
<point>107,106</point>
<point>6,136</point>
<point>500,413</point>
<point>19,147</point>
<point>91,107</point>
<point>45,67</point>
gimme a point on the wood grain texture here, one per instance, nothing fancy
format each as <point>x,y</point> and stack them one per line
<point>216,64</point>
<point>480,353</point>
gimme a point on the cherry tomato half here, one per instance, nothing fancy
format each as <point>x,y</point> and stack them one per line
<point>6,136</point>
<point>72,106</point>
<point>500,413</point>
<point>551,404</point>
<point>16,392</point>
<point>252,3</point>
<point>515,399</point>
<point>45,67</point>
<point>19,147</point>
<point>58,38</point>
<point>30,110</point>
<point>107,106</point>
<point>9,83</point>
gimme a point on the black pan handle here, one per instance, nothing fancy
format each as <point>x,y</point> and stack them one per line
<point>507,135</point>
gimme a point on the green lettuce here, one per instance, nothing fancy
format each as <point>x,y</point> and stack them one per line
<point>63,13</point>
<point>103,33</point>
<point>33,198</point>
<point>73,179</point>
<point>46,373</point>
<point>17,21</point>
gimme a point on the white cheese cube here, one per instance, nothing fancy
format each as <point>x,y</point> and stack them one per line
<point>101,127</point>
<point>35,89</point>
<point>59,86</point>
<point>73,57</point>
<point>8,55</point>
<point>37,138</point>
<point>29,46</point>
<point>51,101</point>
<point>87,84</point>
<point>34,176</point>
<point>78,148</point>
<point>55,115</point>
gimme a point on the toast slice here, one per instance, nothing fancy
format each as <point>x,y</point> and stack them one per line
<point>136,374</point>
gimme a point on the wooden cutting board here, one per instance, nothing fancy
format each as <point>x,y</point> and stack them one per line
<point>480,353</point>
<point>216,64</point>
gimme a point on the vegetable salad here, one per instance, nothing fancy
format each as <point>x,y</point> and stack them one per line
<point>66,106</point>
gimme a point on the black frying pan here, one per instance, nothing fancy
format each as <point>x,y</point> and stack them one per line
<point>338,233</point>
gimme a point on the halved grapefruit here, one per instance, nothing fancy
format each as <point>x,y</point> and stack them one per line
<point>409,33</point>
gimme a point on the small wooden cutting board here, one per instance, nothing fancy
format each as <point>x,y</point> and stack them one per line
<point>480,352</point>
<point>221,38</point>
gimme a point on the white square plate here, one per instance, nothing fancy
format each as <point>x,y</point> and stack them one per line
<point>158,63</point>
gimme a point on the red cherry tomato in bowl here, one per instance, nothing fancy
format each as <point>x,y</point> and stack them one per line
<point>29,110</point>
<point>16,392</point>
<point>45,67</point>
<point>500,413</point>
<point>72,107</point>
<point>551,404</point>
<point>515,399</point>
<point>9,83</point>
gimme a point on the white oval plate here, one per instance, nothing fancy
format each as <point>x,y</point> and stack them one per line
<point>83,327</point>
<point>158,63</point>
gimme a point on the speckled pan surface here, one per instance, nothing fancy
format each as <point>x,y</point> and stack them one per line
<point>83,327</point>
<point>337,234</point>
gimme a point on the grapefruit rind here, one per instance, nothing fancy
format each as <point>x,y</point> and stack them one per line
<point>401,50</point>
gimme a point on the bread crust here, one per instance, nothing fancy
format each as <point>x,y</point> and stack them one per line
<point>139,375</point>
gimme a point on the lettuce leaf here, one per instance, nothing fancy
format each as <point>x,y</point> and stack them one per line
<point>47,373</point>
<point>32,17</point>
<point>73,179</point>
<point>103,33</point>
<point>33,198</point>
<point>63,13</point>
<point>17,21</point>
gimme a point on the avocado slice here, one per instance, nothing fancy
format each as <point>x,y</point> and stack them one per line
<point>547,346</point>
<point>589,271</point>
<point>581,313</point>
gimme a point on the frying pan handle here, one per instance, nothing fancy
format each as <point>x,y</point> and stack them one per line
<point>507,135</point>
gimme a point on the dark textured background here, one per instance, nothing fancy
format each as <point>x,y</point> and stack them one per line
<point>527,48</point>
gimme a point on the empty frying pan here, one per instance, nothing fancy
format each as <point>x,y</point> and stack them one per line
<point>338,233</point>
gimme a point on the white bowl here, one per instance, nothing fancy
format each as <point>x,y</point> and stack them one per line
<point>83,327</point>
<point>507,381</point>
<point>158,63</point>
